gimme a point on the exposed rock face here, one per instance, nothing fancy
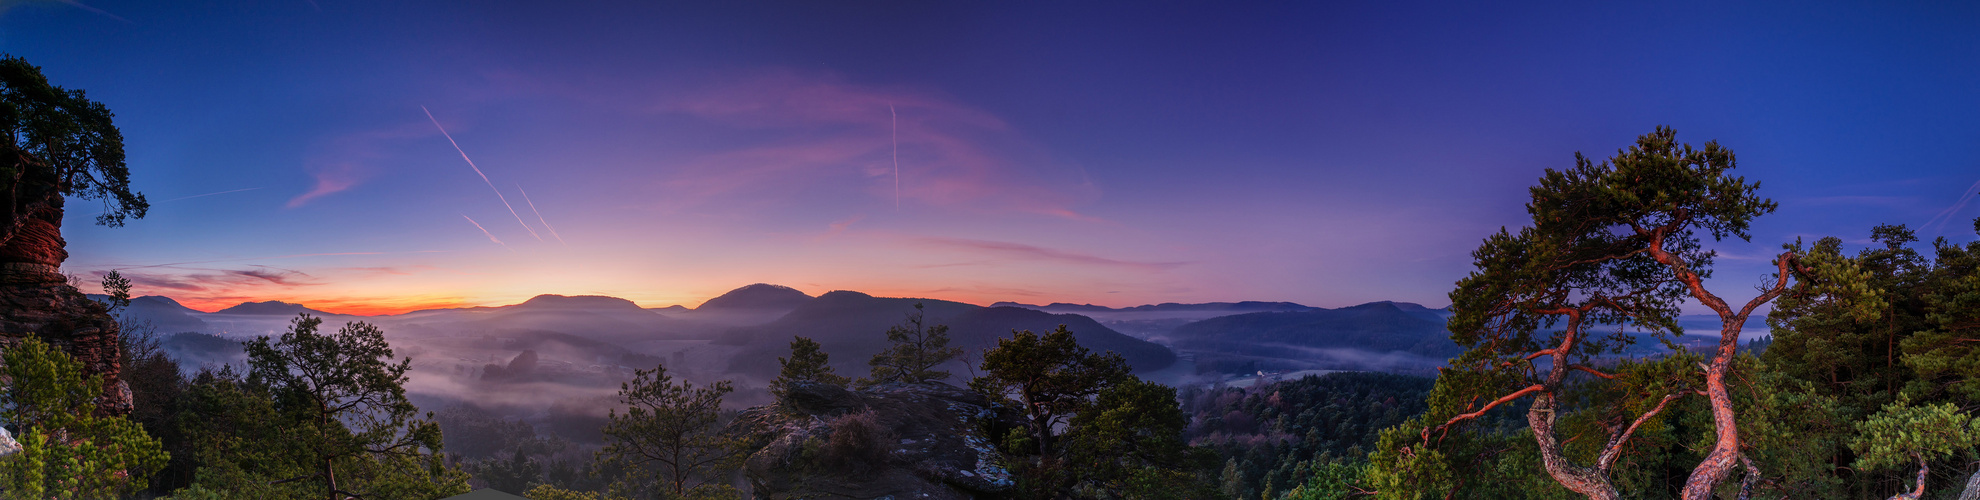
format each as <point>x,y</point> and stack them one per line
<point>36,303</point>
<point>38,242</point>
<point>934,442</point>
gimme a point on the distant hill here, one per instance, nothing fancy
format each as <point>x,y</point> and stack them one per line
<point>270,308</point>
<point>163,313</point>
<point>1232,307</point>
<point>600,303</point>
<point>851,326</point>
<point>1376,328</point>
<point>607,319</point>
<point>757,296</point>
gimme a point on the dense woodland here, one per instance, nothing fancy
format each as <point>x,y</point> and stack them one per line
<point>1866,388</point>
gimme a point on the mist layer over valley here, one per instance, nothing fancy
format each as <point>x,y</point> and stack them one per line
<point>552,365</point>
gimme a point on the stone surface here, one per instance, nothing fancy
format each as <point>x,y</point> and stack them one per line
<point>7,444</point>
<point>939,444</point>
<point>37,241</point>
<point>39,304</point>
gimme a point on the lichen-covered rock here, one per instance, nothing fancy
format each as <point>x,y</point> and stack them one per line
<point>8,446</point>
<point>915,441</point>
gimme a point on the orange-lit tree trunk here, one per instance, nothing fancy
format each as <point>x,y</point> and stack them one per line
<point>1619,245</point>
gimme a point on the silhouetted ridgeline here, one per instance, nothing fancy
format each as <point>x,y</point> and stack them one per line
<point>847,324</point>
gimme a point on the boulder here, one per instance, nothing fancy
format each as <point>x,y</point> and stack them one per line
<point>928,440</point>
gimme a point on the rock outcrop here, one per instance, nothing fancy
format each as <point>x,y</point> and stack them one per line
<point>35,303</point>
<point>903,441</point>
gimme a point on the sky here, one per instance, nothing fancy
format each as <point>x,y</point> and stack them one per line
<point>380,157</point>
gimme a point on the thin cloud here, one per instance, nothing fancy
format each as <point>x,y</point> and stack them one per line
<point>274,257</point>
<point>272,275</point>
<point>330,179</point>
<point>919,147</point>
<point>209,194</point>
<point>200,280</point>
<point>1885,201</point>
<point>1029,252</point>
<point>341,162</point>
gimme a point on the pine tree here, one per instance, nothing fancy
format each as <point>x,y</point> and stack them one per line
<point>808,363</point>
<point>67,451</point>
<point>916,351</point>
<point>668,433</point>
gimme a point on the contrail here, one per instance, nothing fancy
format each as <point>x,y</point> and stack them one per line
<point>1946,216</point>
<point>79,5</point>
<point>210,194</point>
<point>897,154</point>
<point>491,236</point>
<point>484,177</point>
<point>539,215</point>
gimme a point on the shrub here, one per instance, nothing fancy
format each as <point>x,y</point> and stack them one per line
<point>858,443</point>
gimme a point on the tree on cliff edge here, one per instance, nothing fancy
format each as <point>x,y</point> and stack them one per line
<point>917,349</point>
<point>1615,244</point>
<point>60,144</point>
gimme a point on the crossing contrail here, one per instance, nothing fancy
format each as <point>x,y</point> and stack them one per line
<point>484,177</point>
<point>1947,215</point>
<point>484,231</point>
<point>539,215</point>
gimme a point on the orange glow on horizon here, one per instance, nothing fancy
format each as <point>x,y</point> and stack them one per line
<point>354,307</point>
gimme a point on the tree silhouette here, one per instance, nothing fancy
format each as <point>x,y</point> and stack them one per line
<point>60,144</point>
<point>917,349</point>
<point>808,363</point>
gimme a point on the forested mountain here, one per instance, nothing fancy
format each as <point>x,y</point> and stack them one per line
<point>1377,335</point>
<point>849,325</point>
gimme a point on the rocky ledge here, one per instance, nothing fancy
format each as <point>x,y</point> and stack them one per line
<point>901,441</point>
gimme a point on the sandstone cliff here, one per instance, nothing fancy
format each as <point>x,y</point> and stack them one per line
<point>37,301</point>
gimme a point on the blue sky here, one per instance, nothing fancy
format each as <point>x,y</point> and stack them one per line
<point>1327,153</point>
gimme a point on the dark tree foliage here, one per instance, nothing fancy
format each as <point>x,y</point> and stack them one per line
<point>1275,436</point>
<point>320,415</point>
<point>1129,444</point>
<point>1051,377</point>
<point>917,349</point>
<point>68,449</point>
<point>1615,244</point>
<point>1918,346</point>
<point>808,363</point>
<point>61,145</point>
<point>1094,430</point>
<point>666,438</point>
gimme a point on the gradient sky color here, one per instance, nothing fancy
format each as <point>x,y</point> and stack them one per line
<point>1328,153</point>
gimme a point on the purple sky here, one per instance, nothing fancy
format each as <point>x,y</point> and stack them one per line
<point>1118,154</point>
